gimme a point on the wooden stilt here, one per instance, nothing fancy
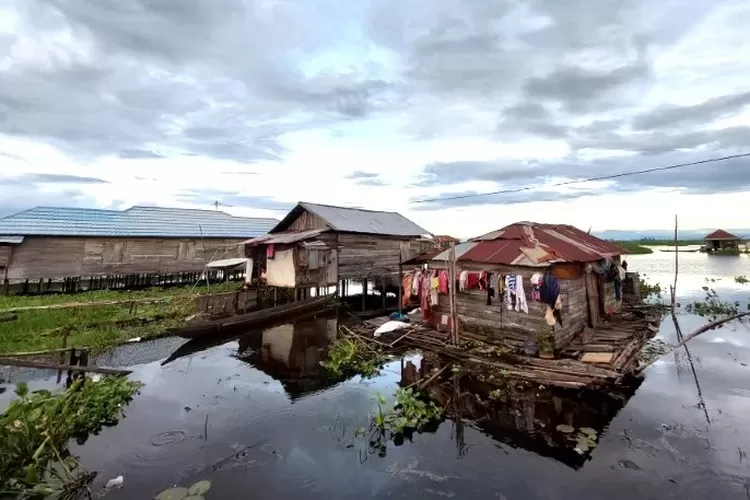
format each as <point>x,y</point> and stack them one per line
<point>364,295</point>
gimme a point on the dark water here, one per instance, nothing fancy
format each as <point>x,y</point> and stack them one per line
<point>257,418</point>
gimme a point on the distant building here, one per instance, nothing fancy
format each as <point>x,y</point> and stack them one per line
<point>722,241</point>
<point>443,241</point>
<point>321,245</point>
<point>56,243</point>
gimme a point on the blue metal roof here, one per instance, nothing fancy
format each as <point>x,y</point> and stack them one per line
<point>133,222</point>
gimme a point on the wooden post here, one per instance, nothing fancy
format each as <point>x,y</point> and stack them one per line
<point>26,287</point>
<point>39,286</point>
<point>382,291</point>
<point>676,267</point>
<point>6,284</point>
<point>400,282</point>
<point>452,294</point>
<point>364,295</point>
<point>274,296</point>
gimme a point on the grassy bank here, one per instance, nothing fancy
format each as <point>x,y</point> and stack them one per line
<point>634,248</point>
<point>96,326</point>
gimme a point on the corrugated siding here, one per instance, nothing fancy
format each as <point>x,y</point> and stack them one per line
<point>134,222</point>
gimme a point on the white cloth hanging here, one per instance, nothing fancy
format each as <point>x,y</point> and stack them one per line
<point>521,304</point>
<point>462,279</point>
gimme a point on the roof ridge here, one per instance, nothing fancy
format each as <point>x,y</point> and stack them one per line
<point>349,208</point>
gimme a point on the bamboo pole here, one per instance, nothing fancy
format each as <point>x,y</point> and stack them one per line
<point>676,266</point>
<point>452,294</point>
<point>61,367</point>
<point>708,326</point>
<point>45,351</point>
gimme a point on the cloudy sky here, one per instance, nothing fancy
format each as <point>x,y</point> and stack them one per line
<point>380,104</point>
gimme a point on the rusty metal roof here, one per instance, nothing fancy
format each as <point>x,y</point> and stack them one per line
<point>287,237</point>
<point>720,234</point>
<point>355,220</point>
<point>535,245</point>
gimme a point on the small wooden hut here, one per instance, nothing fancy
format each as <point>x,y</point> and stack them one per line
<point>322,245</point>
<point>583,265</point>
<point>722,241</point>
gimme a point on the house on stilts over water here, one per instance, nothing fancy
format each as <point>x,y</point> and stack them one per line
<point>322,246</point>
<point>541,290</point>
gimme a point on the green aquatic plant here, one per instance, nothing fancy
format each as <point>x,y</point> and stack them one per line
<point>712,307</point>
<point>36,428</point>
<point>194,492</point>
<point>742,279</point>
<point>349,356</point>
<point>412,410</point>
<point>649,290</point>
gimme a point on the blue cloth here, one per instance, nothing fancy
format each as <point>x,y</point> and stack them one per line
<point>550,290</point>
<point>400,317</point>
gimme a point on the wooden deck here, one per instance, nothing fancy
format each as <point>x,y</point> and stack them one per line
<point>595,358</point>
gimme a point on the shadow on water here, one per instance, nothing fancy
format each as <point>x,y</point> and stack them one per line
<point>256,415</point>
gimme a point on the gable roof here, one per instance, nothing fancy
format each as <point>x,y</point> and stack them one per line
<point>533,244</point>
<point>355,220</point>
<point>137,221</point>
<point>720,234</point>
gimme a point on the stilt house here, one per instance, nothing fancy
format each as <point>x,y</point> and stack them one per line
<point>581,264</point>
<point>322,245</point>
<point>722,241</point>
<point>46,243</point>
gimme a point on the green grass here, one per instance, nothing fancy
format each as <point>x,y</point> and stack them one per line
<point>97,327</point>
<point>634,248</point>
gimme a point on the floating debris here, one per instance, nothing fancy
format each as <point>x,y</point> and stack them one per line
<point>565,429</point>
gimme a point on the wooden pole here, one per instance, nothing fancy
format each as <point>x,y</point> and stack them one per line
<point>382,291</point>
<point>676,266</point>
<point>400,283</point>
<point>695,333</point>
<point>452,293</point>
<point>62,367</point>
<point>364,295</point>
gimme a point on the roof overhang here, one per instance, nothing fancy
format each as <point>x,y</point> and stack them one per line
<point>11,240</point>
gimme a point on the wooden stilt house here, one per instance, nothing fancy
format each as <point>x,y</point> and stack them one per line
<point>322,246</point>
<point>582,265</point>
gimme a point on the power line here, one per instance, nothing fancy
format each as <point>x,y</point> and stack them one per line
<point>580,181</point>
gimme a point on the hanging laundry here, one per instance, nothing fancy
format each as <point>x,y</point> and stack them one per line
<point>491,283</point>
<point>521,304</point>
<point>536,283</point>
<point>443,282</point>
<point>482,281</point>
<point>499,284</point>
<point>510,291</point>
<point>425,299</point>
<point>462,279</point>
<point>270,251</point>
<point>550,295</point>
<point>407,286</point>
<point>434,283</point>
<point>416,282</point>
<point>472,281</point>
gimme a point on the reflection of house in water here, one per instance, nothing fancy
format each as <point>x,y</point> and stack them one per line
<point>522,418</point>
<point>292,353</point>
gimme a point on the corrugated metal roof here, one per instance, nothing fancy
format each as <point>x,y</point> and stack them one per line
<point>720,234</point>
<point>133,222</point>
<point>13,240</point>
<point>286,237</point>
<point>356,220</point>
<point>532,244</point>
<point>461,249</point>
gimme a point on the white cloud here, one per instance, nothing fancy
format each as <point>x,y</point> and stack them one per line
<point>260,105</point>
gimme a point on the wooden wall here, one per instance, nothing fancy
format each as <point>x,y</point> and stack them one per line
<point>496,321</point>
<point>60,257</point>
<point>306,221</point>
<point>371,256</point>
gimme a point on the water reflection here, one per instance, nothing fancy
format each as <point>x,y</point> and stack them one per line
<point>291,354</point>
<point>544,421</point>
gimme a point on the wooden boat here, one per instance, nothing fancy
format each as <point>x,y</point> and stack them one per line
<point>256,318</point>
